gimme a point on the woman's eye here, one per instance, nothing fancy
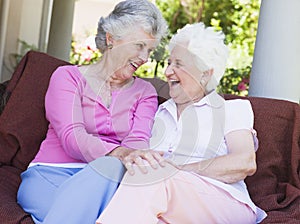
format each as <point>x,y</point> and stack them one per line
<point>140,46</point>
<point>178,65</point>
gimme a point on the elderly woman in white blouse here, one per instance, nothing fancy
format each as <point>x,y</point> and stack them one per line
<point>209,146</point>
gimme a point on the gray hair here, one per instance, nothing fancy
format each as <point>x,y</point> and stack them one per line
<point>127,15</point>
<point>208,47</point>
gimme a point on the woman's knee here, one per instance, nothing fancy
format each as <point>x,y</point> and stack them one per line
<point>109,167</point>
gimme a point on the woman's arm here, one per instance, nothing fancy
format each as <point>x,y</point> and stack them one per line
<point>64,111</point>
<point>145,106</point>
<point>134,147</point>
<point>233,167</point>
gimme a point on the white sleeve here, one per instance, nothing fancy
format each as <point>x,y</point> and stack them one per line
<point>238,115</point>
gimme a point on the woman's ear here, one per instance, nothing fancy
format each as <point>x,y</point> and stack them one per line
<point>109,39</point>
<point>206,76</point>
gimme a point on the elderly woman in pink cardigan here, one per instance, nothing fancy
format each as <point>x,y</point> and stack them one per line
<point>97,115</point>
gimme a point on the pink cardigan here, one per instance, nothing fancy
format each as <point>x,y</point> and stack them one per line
<point>82,128</point>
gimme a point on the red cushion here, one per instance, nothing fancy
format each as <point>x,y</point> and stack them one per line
<point>10,211</point>
<point>22,124</point>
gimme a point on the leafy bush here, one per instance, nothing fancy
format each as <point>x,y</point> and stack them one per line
<point>235,81</point>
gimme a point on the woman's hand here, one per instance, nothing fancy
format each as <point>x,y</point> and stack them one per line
<point>141,158</point>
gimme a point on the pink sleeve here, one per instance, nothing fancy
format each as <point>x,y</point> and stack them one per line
<point>140,133</point>
<point>64,112</point>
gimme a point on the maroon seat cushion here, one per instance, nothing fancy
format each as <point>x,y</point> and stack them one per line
<point>10,211</point>
<point>276,185</point>
<point>2,95</point>
<point>22,123</point>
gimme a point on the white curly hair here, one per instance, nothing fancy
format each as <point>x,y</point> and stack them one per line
<point>208,47</point>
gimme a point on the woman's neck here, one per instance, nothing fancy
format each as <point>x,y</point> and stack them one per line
<point>104,69</point>
<point>182,106</point>
<point>118,84</point>
<point>105,72</point>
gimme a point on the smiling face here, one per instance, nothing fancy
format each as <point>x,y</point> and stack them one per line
<point>130,52</point>
<point>186,81</point>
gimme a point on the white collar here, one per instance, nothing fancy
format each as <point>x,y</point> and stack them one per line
<point>213,99</point>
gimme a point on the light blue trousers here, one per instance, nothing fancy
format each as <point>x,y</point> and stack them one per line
<point>55,195</point>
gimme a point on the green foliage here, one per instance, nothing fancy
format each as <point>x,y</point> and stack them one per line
<point>236,18</point>
<point>235,81</point>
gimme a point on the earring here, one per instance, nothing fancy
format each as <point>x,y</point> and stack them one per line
<point>109,46</point>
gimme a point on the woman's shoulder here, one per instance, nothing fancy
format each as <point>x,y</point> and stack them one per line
<point>67,71</point>
<point>238,114</point>
<point>64,68</point>
<point>67,74</point>
<point>238,104</point>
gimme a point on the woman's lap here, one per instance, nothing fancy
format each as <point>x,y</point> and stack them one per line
<point>195,200</point>
<point>55,193</point>
<point>181,198</point>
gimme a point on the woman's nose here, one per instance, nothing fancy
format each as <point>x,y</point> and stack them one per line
<point>144,55</point>
<point>169,71</point>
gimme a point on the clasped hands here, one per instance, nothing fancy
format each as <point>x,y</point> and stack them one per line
<point>140,158</point>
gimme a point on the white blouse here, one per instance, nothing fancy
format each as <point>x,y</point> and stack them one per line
<point>199,134</point>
